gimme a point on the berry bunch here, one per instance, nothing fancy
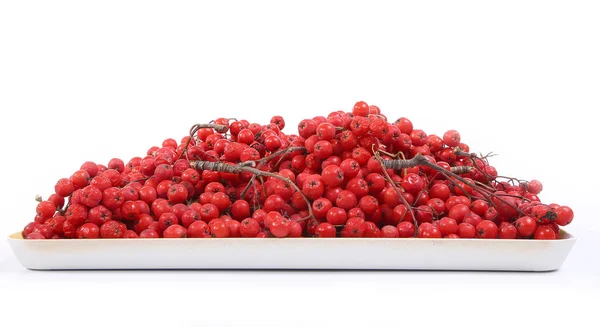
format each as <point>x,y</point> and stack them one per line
<point>349,174</point>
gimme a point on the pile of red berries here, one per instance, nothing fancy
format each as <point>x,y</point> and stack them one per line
<point>350,174</point>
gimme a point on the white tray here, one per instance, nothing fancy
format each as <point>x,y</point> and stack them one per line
<point>293,253</point>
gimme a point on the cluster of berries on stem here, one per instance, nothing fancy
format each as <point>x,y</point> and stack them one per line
<point>347,174</point>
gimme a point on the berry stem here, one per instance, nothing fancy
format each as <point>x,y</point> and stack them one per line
<point>236,169</point>
<point>389,179</point>
<point>459,170</point>
<point>420,160</point>
<point>281,153</point>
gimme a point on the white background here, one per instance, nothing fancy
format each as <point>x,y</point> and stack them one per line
<point>82,80</point>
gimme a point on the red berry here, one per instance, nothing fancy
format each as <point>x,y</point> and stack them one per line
<point>451,138</point>
<point>76,214</point>
<point>29,228</point>
<point>406,229</point>
<point>177,193</point>
<point>218,228</point>
<point>249,227</point>
<point>564,215</point>
<point>90,167</point>
<point>466,230</point>
<point>361,108</point>
<point>534,186</point>
<point>149,233</point>
<point>88,230</point>
<point>372,231</point>
<point>130,234</point>
<point>325,230</point>
<point>526,226</point>
<point>45,209</point>
<point>325,131</point>
<point>336,216</point>
<point>507,231</point>
<point>221,201</point>
<point>91,196</point>
<point>198,229</point>
<point>458,212</point>
<point>390,231</point>
<point>175,231</point>
<point>80,178</point>
<point>412,183</point>
<point>280,227</point>
<point>447,226</point>
<point>346,200</point>
<point>355,227</point>
<point>112,229</point>
<point>544,233</point>
<point>35,236</point>
<point>487,229</point>
<point>116,164</point>
<point>64,187</point>
<point>332,176</point>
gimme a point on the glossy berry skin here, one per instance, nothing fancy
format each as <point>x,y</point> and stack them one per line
<point>249,227</point>
<point>371,231</point>
<point>355,227</point>
<point>466,230</point>
<point>389,231</point>
<point>564,215</point>
<point>534,187</point>
<point>280,227</point>
<point>544,233</point>
<point>526,226</point>
<point>64,187</point>
<point>130,234</point>
<point>88,230</point>
<point>112,229</point>
<point>175,231</point>
<point>45,209</point>
<point>451,138</point>
<point>198,229</point>
<point>218,229</point>
<point>240,210</point>
<point>412,183</point>
<point>332,176</point>
<point>361,108</point>
<point>336,216</point>
<point>149,233</point>
<point>177,193</point>
<point>430,232</point>
<point>487,229</point>
<point>346,200</point>
<point>447,226</point>
<point>406,229</point>
<point>507,231</point>
<point>325,230</point>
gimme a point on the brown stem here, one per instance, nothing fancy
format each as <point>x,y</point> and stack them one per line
<point>461,153</point>
<point>419,160</point>
<point>487,187</point>
<point>397,164</point>
<point>250,183</point>
<point>281,153</point>
<point>382,163</point>
<point>459,170</point>
<point>195,128</point>
<point>236,169</point>
<point>217,127</point>
<point>266,159</point>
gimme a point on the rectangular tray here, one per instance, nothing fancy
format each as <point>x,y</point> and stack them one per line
<point>293,253</point>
